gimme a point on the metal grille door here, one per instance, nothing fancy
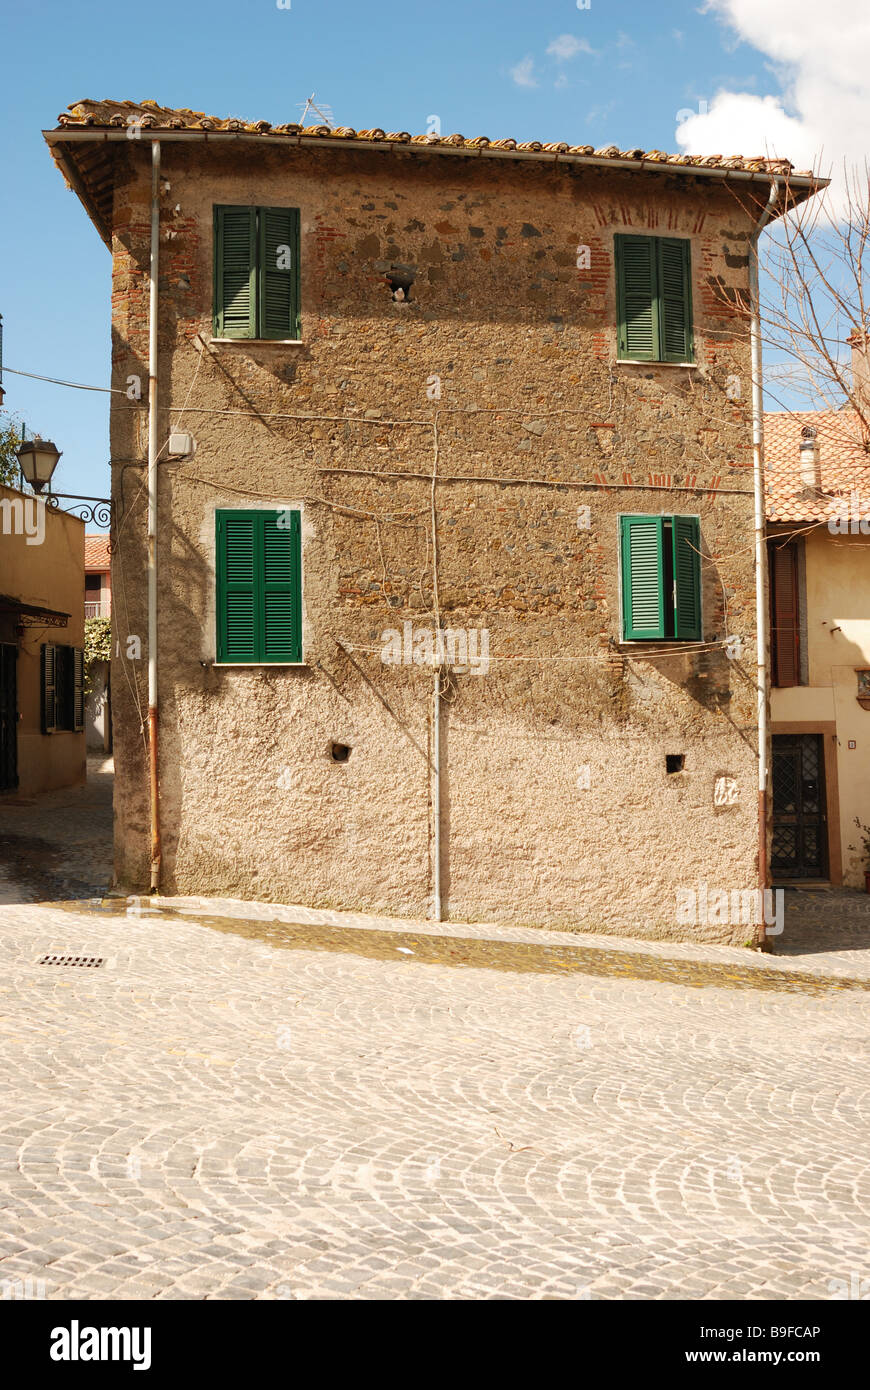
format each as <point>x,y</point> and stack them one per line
<point>8,718</point>
<point>800,832</point>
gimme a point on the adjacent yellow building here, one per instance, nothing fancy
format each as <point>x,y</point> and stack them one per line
<point>42,590</point>
<point>818,510</point>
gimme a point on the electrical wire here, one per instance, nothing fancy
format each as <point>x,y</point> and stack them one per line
<point>55,381</point>
<point>433,479</point>
<point>685,649</point>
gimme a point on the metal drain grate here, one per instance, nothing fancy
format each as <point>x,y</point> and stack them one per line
<point>89,962</point>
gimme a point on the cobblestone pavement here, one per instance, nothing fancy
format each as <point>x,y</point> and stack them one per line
<point>246,1101</point>
<point>59,844</point>
<point>209,1115</point>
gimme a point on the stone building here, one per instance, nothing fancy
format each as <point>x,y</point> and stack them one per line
<point>435,385</point>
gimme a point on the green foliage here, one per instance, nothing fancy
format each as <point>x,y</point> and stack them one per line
<point>865,842</point>
<point>10,438</point>
<point>98,645</point>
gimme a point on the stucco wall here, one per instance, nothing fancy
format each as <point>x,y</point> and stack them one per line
<point>838,640</point>
<point>524,345</point>
<point>47,573</point>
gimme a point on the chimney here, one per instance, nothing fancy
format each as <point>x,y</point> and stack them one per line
<point>858,342</point>
<point>811,472</point>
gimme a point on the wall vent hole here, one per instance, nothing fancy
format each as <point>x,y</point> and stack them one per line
<point>400,279</point>
<point>339,752</point>
<point>675,762</point>
<point>90,962</point>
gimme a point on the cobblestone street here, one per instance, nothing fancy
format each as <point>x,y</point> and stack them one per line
<point>245,1102</point>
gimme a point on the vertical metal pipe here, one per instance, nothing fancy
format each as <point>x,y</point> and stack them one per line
<point>761,617</point>
<point>152,517</point>
<point>436,795</point>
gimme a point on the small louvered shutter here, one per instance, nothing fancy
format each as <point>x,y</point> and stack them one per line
<point>235,272</point>
<point>48,684</point>
<point>687,577</point>
<point>281,588</point>
<point>675,300</point>
<point>78,689</point>
<point>643,605</point>
<point>785,627</point>
<point>237,597</point>
<point>637,310</point>
<point>279,273</point>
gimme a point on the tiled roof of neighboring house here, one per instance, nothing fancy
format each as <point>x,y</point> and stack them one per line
<point>97,553</point>
<point>113,119</point>
<point>844,465</point>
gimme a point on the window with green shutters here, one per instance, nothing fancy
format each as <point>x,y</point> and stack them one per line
<point>256,272</point>
<point>258,586</point>
<point>661,578</point>
<point>654,298</point>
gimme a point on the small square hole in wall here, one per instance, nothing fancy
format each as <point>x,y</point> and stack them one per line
<point>675,762</point>
<point>400,279</point>
<point>339,752</point>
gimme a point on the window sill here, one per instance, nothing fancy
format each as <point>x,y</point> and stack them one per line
<point>258,342</point>
<point>640,362</point>
<point>253,665</point>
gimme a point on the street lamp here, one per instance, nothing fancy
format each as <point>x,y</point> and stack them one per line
<point>37,459</point>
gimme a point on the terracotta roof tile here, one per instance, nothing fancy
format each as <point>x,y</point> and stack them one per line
<point>844,464</point>
<point>151,116</point>
<point>97,553</point>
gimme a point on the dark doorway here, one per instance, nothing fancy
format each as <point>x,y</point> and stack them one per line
<point>8,717</point>
<point>800,831</point>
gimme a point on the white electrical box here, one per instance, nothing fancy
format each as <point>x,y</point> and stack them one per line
<point>181,445</point>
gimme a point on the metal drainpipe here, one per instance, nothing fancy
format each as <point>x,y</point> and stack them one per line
<point>761,619</point>
<point>152,517</point>
<point>436,795</point>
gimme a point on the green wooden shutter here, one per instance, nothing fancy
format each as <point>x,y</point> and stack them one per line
<point>687,577</point>
<point>235,272</point>
<point>78,689</point>
<point>237,586</point>
<point>675,300</point>
<point>636,296</point>
<point>259,586</point>
<point>282,590</point>
<point>643,600</point>
<point>279,283</point>
<point>48,684</point>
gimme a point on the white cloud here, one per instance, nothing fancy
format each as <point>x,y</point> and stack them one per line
<point>599,113</point>
<point>566,46</point>
<point>739,123</point>
<point>821,59</point>
<point>524,73</point>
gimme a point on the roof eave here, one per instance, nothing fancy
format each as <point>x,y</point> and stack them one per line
<point>77,183</point>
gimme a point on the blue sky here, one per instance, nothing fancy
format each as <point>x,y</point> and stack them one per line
<point>618,72</point>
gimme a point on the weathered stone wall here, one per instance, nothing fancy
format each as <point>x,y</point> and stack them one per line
<point>536,412</point>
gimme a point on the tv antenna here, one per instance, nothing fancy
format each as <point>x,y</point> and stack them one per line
<point>323,111</point>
